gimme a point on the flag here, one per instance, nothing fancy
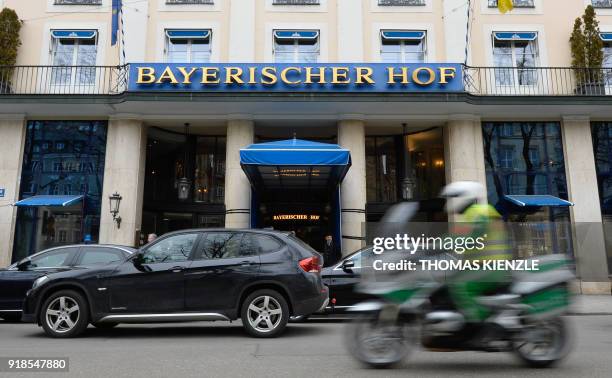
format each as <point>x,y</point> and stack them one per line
<point>505,5</point>
<point>115,21</point>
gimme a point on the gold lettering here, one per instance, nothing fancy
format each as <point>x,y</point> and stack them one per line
<point>270,74</point>
<point>186,75</point>
<point>233,75</point>
<point>417,80</point>
<point>167,75</point>
<point>364,74</point>
<point>252,75</point>
<point>447,73</point>
<point>146,75</point>
<point>320,76</point>
<point>340,75</point>
<point>286,71</point>
<point>210,75</point>
<point>393,75</point>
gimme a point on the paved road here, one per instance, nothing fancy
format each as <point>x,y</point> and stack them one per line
<point>314,349</point>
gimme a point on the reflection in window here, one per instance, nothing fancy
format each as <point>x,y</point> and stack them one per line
<point>601,133</point>
<point>188,46</point>
<point>515,54</point>
<point>403,46</point>
<point>296,46</point>
<point>172,249</point>
<point>381,169</point>
<point>73,48</point>
<point>209,175</point>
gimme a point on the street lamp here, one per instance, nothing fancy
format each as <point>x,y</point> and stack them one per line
<point>115,202</point>
<point>184,184</point>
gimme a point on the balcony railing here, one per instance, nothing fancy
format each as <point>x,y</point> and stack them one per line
<point>204,2</point>
<point>63,80</point>
<point>401,3</point>
<point>295,2</point>
<point>77,2</point>
<point>478,81</point>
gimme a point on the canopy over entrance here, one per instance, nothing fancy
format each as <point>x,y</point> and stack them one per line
<point>49,200</point>
<point>295,164</point>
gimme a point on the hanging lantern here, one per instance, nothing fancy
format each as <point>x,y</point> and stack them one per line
<point>184,184</point>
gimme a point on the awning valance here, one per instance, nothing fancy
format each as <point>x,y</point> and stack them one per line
<point>188,34</point>
<point>537,201</point>
<point>515,36</point>
<point>295,164</point>
<point>403,35</point>
<point>49,200</point>
<point>74,34</point>
<point>606,37</point>
<point>296,34</point>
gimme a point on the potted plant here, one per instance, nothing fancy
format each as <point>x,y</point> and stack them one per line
<point>587,54</point>
<point>10,26</point>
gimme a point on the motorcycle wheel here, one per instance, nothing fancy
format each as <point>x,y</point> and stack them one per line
<point>377,344</point>
<point>544,344</point>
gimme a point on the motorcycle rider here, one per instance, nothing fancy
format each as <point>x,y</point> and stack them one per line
<point>472,216</point>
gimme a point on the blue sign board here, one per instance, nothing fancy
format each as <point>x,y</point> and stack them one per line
<point>296,77</point>
<point>2,191</point>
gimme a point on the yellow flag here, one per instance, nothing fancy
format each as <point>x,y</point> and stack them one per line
<point>505,5</point>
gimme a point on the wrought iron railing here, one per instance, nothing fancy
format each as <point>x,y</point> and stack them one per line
<point>538,81</point>
<point>205,2</point>
<point>63,80</point>
<point>478,81</point>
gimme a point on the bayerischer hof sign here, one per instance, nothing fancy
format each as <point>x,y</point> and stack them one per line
<point>294,77</point>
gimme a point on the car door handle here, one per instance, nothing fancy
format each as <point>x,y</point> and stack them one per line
<point>177,269</point>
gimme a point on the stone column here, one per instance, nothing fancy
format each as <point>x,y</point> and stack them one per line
<point>124,173</point>
<point>12,140</point>
<point>351,135</point>
<point>237,187</point>
<point>463,150</point>
<point>589,242</point>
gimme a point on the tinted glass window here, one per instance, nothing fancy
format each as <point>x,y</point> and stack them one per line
<point>222,245</point>
<point>267,243</point>
<point>100,256</point>
<point>53,259</point>
<point>172,249</point>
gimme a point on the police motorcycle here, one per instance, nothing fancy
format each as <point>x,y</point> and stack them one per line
<point>416,308</point>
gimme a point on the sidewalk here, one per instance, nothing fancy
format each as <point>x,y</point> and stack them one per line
<point>592,305</point>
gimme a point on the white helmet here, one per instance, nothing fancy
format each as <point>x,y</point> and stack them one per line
<point>462,194</point>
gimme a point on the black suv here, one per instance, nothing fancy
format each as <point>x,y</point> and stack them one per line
<point>262,277</point>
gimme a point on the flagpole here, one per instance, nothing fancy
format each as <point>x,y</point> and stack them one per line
<point>467,31</point>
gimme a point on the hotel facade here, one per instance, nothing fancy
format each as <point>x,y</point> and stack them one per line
<point>305,115</point>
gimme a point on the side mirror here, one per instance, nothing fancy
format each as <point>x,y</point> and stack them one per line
<point>348,265</point>
<point>24,265</point>
<point>139,262</point>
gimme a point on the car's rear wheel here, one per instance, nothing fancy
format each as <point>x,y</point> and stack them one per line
<point>265,313</point>
<point>64,314</point>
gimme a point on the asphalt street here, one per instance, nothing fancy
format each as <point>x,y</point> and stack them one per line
<point>313,349</point>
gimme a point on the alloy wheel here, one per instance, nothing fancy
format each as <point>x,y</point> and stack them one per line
<point>62,314</point>
<point>264,313</point>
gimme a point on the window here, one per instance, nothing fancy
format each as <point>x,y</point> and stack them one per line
<point>209,175</point>
<point>99,256</point>
<point>73,48</point>
<point>77,2</point>
<point>267,244</point>
<point>296,46</point>
<point>517,3</point>
<point>224,245</point>
<point>401,3</point>
<point>506,157</point>
<point>607,58</point>
<point>206,2</point>
<point>175,248</point>
<point>602,3</point>
<point>295,2</point>
<point>515,54</point>
<point>53,259</point>
<point>62,236</point>
<point>403,46</point>
<point>381,169</point>
<point>188,46</point>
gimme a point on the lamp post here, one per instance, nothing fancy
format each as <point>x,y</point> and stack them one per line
<point>115,202</point>
<point>408,182</point>
<point>184,184</point>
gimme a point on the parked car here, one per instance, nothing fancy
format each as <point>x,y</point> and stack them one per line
<point>261,277</point>
<point>18,278</point>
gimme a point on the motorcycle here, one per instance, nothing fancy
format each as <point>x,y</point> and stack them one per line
<point>525,318</point>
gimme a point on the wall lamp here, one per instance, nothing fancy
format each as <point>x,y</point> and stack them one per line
<point>115,201</point>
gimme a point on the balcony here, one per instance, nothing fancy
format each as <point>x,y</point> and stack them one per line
<point>295,2</point>
<point>77,2</point>
<point>190,2</point>
<point>401,3</point>
<point>478,81</point>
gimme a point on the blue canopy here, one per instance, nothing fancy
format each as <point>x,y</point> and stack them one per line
<point>77,34</point>
<point>515,36</point>
<point>47,200</point>
<point>403,34</point>
<point>296,34</point>
<point>188,33</point>
<point>294,164</point>
<point>537,201</point>
<point>606,37</point>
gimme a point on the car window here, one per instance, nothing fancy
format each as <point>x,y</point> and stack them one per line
<point>53,259</point>
<point>175,248</point>
<point>91,256</point>
<point>224,245</point>
<point>267,243</point>
<point>362,258</point>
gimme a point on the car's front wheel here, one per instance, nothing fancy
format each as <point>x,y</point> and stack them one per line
<point>265,313</point>
<point>64,314</point>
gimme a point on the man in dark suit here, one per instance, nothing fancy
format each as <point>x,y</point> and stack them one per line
<point>329,251</point>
